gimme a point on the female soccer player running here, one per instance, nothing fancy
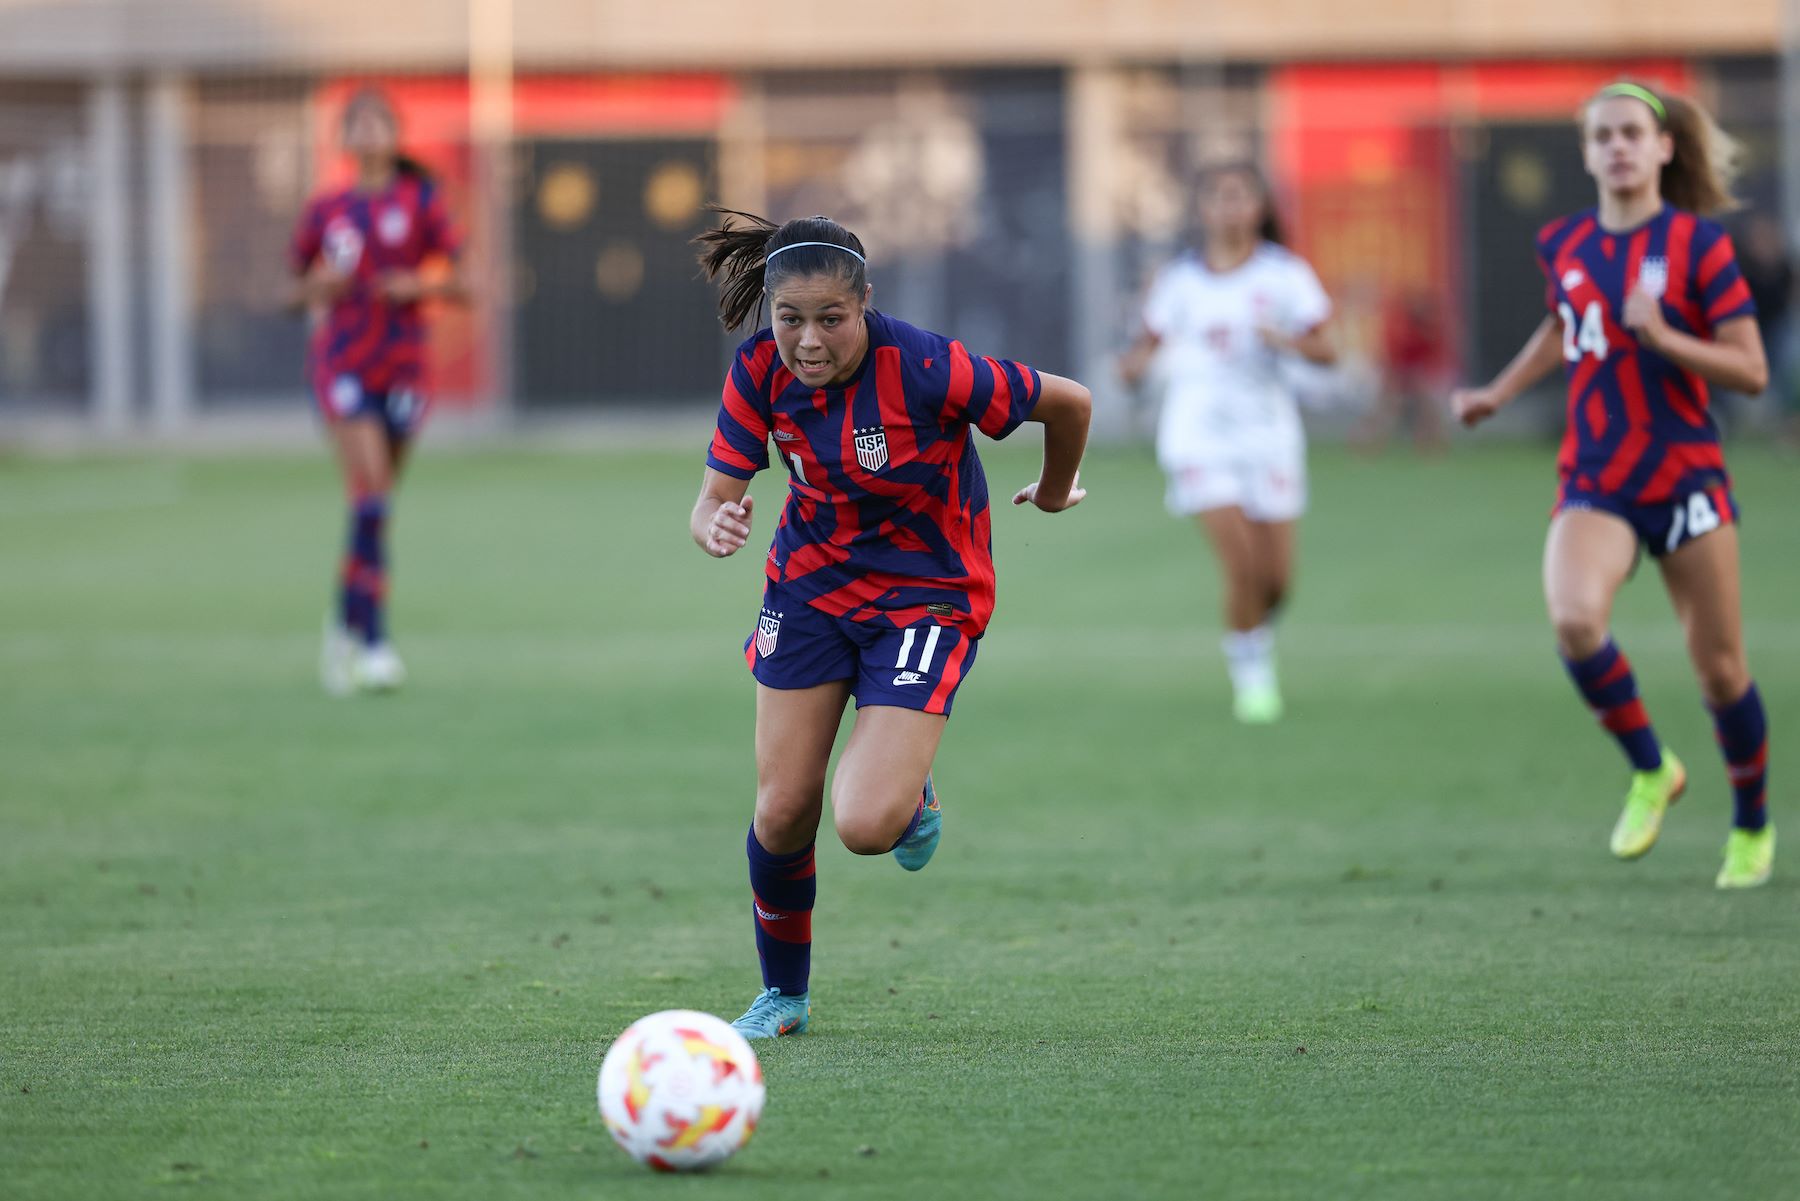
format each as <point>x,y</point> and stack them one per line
<point>880,580</point>
<point>1230,437</point>
<point>360,254</point>
<point>1647,309</point>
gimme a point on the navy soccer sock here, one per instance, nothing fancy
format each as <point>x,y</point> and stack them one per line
<point>1606,683</point>
<point>782,889</point>
<point>1743,731</point>
<point>365,569</point>
<point>912,826</point>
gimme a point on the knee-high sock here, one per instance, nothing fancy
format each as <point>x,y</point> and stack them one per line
<point>364,579</point>
<point>782,890</point>
<point>1743,731</point>
<point>912,826</point>
<point>1606,683</point>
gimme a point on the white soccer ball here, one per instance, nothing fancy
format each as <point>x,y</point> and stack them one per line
<point>681,1091</point>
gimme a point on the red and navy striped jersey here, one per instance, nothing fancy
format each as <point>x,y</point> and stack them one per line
<point>1638,425</point>
<point>887,509</point>
<point>364,236</point>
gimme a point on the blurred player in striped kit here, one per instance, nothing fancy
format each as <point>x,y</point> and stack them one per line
<point>363,256</point>
<point>1647,312</point>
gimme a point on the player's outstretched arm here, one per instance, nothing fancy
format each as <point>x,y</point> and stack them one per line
<point>448,283</point>
<point>1063,409</point>
<point>1315,345</point>
<point>1540,355</point>
<point>721,522</point>
<point>1134,364</point>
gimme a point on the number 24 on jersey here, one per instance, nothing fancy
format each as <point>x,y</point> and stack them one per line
<point>1588,336</point>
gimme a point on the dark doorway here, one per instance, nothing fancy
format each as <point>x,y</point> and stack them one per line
<point>611,306</point>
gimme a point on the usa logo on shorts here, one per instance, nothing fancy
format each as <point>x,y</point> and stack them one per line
<point>871,448</point>
<point>346,394</point>
<point>768,629</point>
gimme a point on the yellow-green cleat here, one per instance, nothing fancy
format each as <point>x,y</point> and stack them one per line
<point>1749,858</point>
<point>1258,706</point>
<point>1652,792</point>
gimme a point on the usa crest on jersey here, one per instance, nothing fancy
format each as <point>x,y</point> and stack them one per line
<point>872,448</point>
<point>768,629</point>
<point>393,225</point>
<point>343,246</point>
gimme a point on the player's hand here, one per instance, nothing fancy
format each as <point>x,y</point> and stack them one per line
<point>1134,365</point>
<point>1643,316</point>
<point>1473,406</point>
<point>729,529</point>
<point>402,287</point>
<point>1274,339</point>
<point>324,284</point>
<point>1029,495</point>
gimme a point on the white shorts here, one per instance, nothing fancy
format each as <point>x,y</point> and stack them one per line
<point>1264,474</point>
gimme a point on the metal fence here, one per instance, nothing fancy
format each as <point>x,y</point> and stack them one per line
<point>144,218</point>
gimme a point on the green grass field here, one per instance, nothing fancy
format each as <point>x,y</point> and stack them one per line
<point>258,943</point>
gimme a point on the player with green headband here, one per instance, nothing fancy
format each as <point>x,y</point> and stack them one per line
<point>1648,312</point>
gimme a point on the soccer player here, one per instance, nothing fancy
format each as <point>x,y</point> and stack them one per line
<point>363,257</point>
<point>1647,310</point>
<point>880,580</point>
<point>1230,438</point>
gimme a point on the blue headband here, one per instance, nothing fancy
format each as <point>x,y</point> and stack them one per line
<point>796,245</point>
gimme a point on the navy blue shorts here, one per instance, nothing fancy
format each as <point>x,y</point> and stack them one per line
<point>917,667</point>
<point>1665,525</point>
<point>400,410</point>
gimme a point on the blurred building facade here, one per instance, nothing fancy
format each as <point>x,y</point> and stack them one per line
<point>1017,168</point>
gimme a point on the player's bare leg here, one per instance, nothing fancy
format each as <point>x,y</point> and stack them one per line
<point>879,796</point>
<point>1703,582</point>
<point>795,729</point>
<point>1253,563</point>
<point>1272,553</point>
<point>1702,579</point>
<point>1587,557</point>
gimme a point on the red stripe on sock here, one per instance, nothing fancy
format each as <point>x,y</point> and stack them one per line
<point>1743,773</point>
<point>1619,670</point>
<point>783,925</point>
<point>801,870</point>
<point>1627,718</point>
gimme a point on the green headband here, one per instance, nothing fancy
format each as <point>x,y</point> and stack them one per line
<point>1637,92</point>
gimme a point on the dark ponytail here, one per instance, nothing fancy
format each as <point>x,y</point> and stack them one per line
<point>736,257</point>
<point>1699,176</point>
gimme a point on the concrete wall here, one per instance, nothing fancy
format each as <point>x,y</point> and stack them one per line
<point>60,37</point>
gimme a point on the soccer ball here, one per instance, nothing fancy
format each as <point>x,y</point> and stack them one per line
<point>681,1091</point>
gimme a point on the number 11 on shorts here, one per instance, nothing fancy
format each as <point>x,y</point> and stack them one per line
<point>926,655</point>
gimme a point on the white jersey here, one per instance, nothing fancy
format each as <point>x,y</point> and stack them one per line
<point>1224,383</point>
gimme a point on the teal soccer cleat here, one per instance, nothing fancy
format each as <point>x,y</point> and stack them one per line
<point>772,1015</point>
<point>916,851</point>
